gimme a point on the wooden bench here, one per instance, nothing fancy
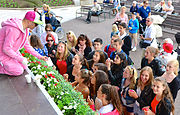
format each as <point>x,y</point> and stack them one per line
<point>84,11</point>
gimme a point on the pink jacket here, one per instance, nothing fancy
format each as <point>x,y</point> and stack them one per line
<point>114,112</point>
<point>12,39</point>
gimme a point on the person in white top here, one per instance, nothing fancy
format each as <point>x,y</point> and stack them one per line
<point>95,10</point>
<point>169,8</point>
<point>167,53</point>
<point>160,7</point>
<point>48,29</point>
<point>150,33</point>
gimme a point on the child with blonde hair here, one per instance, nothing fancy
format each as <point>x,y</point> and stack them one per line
<point>128,83</point>
<point>151,60</point>
<point>71,41</point>
<point>115,30</point>
<point>170,76</point>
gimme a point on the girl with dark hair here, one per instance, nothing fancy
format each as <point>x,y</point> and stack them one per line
<point>162,102</point>
<point>99,77</point>
<point>115,72</point>
<point>100,66</point>
<point>63,58</point>
<point>151,60</point>
<point>98,57</point>
<point>83,45</point>
<point>83,79</point>
<point>78,63</point>
<point>36,44</point>
<point>52,47</point>
<point>143,92</point>
<point>110,100</point>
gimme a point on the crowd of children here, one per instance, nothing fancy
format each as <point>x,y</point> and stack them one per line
<point>107,78</point>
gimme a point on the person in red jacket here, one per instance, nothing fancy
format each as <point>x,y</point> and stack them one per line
<point>109,48</point>
<point>111,104</point>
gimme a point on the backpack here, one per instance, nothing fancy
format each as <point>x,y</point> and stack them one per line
<point>107,48</point>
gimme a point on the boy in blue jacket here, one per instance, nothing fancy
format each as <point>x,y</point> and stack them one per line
<point>133,29</point>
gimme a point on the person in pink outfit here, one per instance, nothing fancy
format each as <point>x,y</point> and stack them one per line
<point>14,36</point>
<point>122,16</point>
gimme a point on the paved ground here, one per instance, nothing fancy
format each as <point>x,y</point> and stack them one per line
<point>18,98</point>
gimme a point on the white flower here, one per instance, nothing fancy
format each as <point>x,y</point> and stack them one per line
<point>38,77</point>
<point>75,106</point>
<point>65,107</point>
<point>67,92</point>
<point>43,73</point>
<point>63,111</point>
<point>39,67</point>
<point>52,98</point>
<point>70,107</point>
<point>55,80</point>
<point>49,85</point>
<point>35,71</point>
<point>51,73</point>
<point>33,68</point>
<point>62,93</point>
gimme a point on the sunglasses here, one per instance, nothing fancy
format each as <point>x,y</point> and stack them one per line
<point>48,30</point>
<point>50,40</point>
<point>68,33</point>
<point>64,42</point>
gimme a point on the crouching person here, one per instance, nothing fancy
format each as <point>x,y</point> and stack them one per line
<point>14,36</point>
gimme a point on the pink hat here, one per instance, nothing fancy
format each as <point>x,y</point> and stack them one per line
<point>168,47</point>
<point>34,17</point>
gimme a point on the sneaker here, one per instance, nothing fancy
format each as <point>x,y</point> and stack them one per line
<point>88,22</point>
<point>134,49</point>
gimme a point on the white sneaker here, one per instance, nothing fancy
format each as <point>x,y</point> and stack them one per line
<point>134,49</point>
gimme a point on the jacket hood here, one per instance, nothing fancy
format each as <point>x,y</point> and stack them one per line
<point>13,22</point>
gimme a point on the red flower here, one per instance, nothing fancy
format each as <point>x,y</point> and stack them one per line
<point>25,51</point>
<point>46,66</point>
<point>50,74</point>
<point>45,76</point>
<point>53,76</point>
<point>57,80</point>
<point>38,62</point>
<point>55,84</point>
<point>23,54</point>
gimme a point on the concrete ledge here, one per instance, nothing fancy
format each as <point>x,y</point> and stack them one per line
<point>1,8</point>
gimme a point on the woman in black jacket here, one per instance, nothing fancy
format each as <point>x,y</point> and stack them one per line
<point>78,63</point>
<point>171,77</point>
<point>115,72</point>
<point>51,47</point>
<point>150,60</point>
<point>83,45</point>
